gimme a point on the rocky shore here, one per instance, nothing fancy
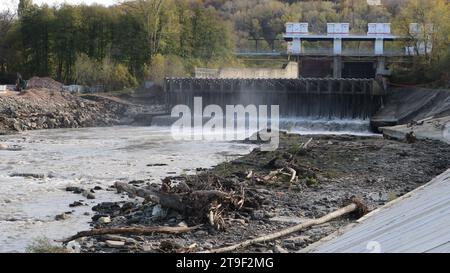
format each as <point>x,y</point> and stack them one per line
<point>42,108</point>
<point>263,192</point>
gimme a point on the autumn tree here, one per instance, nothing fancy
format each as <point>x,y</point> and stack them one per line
<point>212,37</point>
<point>429,37</point>
<point>23,7</point>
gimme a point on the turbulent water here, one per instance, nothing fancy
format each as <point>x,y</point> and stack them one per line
<point>326,126</point>
<point>86,158</point>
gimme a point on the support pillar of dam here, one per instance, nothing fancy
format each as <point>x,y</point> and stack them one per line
<point>337,67</point>
<point>381,67</point>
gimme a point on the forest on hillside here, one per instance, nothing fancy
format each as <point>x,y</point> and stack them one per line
<point>135,40</point>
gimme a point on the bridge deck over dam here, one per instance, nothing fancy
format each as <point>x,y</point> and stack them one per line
<point>303,97</point>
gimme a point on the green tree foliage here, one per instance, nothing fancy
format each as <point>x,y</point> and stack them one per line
<point>358,13</point>
<point>24,7</point>
<point>163,66</point>
<point>316,13</point>
<point>211,38</point>
<point>66,25</point>
<point>394,7</point>
<point>6,48</point>
<point>149,15</point>
<point>113,76</point>
<point>35,31</point>
<point>262,19</point>
<point>432,37</point>
<point>97,30</point>
<point>86,71</point>
<point>127,36</point>
<point>151,39</point>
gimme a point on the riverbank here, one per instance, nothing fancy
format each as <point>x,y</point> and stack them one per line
<point>42,108</point>
<point>260,195</point>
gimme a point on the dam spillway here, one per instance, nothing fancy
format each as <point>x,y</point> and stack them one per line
<point>321,98</point>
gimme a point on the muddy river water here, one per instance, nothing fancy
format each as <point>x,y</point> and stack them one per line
<point>86,158</point>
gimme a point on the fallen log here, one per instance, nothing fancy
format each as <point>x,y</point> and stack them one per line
<point>130,231</point>
<point>195,206</point>
<point>171,201</point>
<point>355,206</point>
<point>178,202</point>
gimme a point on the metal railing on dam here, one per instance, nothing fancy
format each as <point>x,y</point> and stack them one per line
<point>303,97</point>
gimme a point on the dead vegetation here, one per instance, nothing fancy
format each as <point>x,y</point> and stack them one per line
<point>45,245</point>
<point>219,199</point>
<point>205,199</point>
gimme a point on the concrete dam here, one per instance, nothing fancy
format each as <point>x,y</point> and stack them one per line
<point>309,98</point>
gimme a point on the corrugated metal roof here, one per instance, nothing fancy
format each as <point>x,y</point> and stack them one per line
<point>418,222</point>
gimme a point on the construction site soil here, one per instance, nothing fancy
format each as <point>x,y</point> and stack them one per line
<point>45,106</point>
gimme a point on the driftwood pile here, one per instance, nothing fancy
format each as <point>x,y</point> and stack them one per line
<point>355,206</point>
<point>217,200</point>
<point>207,200</point>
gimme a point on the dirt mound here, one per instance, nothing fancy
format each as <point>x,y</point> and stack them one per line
<point>44,108</point>
<point>46,82</point>
<point>47,96</point>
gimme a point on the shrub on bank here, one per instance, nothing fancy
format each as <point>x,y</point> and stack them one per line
<point>113,76</point>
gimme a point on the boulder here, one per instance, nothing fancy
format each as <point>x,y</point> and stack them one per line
<point>111,243</point>
<point>61,217</point>
<point>104,220</point>
<point>76,204</point>
<point>158,212</point>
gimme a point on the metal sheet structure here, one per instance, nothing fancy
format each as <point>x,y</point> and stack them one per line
<point>416,223</point>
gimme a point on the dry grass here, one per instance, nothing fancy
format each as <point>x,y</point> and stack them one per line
<point>44,245</point>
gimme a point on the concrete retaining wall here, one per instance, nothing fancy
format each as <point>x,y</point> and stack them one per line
<point>290,71</point>
<point>412,104</point>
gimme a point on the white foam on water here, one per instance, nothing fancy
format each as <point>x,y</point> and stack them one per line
<point>307,126</point>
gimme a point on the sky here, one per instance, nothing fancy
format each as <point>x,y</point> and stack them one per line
<point>13,3</point>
